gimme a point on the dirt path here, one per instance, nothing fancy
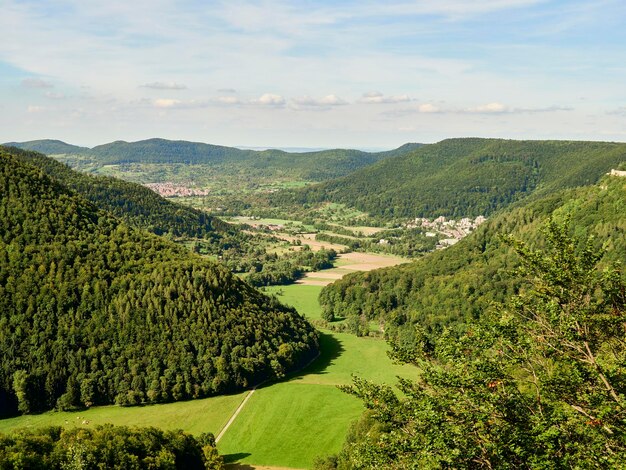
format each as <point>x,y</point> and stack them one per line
<point>245,400</point>
<point>235,414</point>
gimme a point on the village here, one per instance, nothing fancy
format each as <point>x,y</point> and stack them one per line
<point>452,230</point>
<point>168,189</point>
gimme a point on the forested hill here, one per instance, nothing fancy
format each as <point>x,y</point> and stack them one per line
<point>455,285</point>
<point>131,202</point>
<point>93,311</point>
<point>48,147</point>
<point>465,177</point>
<point>316,166</point>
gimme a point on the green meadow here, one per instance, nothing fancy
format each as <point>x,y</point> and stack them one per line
<point>195,416</point>
<point>283,424</point>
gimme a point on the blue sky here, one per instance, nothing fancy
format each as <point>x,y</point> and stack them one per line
<point>312,73</point>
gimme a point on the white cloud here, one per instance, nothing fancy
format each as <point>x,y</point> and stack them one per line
<point>489,108</point>
<point>165,86</point>
<point>269,99</point>
<point>35,109</point>
<point>428,108</point>
<point>227,100</point>
<point>36,83</point>
<point>55,96</point>
<point>166,103</point>
<point>376,97</point>
<point>325,102</point>
<point>499,108</point>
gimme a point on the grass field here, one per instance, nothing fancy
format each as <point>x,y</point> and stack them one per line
<point>289,424</point>
<point>303,298</point>
<point>195,416</point>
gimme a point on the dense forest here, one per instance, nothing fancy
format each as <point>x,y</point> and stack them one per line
<point>463,177</point>
<point>538,383</point>
<point>454,286</point>
<point>314,166</point>
<point>94,311</point>
<point>108,447</point>
<point>136,205</point>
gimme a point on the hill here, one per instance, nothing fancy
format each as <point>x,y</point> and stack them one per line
<point>48,147</point>
<point>454,286</point>
<point>135,204</point>
<point>94,312</point>
<point>464,177</point>
<point>315,166</point>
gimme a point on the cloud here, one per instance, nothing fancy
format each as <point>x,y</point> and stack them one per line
<point>269,99</point>
<point>423,108</point>
<point>376,97</point>
<point>35,109</point>
<point>489,108</point>
<point>499,108</point>
<point>227,90</point>
<point>325,102</point>
<point>165,86</point>
<point>230,100</point>
<point>36,83</point>
<point>55,96</point>
<point>428,108</point>
<point>166,103</point>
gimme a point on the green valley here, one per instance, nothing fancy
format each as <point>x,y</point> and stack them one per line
<point>192,340</point>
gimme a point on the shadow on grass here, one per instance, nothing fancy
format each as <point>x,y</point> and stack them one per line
<point>330,349</point>
<point>232,458</point>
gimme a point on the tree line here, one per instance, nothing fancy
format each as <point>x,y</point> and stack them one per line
<point>55,448</point>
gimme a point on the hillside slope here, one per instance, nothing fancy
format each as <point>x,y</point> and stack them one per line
<point>135,204</point>
<point>456,285</point>
<point>465,177</point>
<point>95,312</point>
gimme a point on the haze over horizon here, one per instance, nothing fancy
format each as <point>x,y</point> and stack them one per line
<point>312,74</point>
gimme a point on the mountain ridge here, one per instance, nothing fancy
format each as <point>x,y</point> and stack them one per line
<point>315,165</point>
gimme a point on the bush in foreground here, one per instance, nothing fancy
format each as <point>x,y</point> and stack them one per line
<point>108,447</point>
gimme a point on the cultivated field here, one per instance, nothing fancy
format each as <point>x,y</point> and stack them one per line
<point>348,263</point>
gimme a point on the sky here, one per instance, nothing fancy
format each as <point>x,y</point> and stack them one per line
<point>323,74</point>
